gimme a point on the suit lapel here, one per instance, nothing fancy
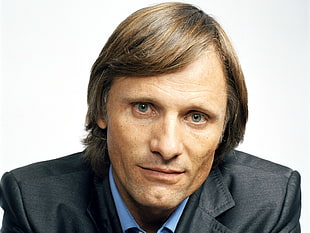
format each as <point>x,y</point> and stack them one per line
<point>208,202</point>
<point>101,208</point>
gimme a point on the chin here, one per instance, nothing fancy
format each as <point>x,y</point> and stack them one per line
<point>163,201</point>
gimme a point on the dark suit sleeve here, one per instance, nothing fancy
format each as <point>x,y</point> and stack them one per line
<point>11,200</point>
<point>289,218</point>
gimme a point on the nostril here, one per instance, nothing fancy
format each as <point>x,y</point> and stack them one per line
<point>165,158</point>
<point>165,149</point>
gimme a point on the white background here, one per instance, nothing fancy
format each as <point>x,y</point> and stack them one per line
<point>48,47</point>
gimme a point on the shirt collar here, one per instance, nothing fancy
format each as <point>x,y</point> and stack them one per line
<point>126,219</point>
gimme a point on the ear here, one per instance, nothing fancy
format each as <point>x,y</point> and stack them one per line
<point>102,123</point>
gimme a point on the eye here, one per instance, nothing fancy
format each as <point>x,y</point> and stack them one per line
<point>197,118</point>
<point>142,107</point>
<point>143,110</point>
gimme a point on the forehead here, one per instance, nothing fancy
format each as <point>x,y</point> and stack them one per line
<point>203,81</point>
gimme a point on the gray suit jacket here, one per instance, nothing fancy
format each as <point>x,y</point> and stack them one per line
<point>244,194</point>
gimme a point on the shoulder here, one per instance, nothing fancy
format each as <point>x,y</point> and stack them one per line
<point>48,195</point>
<point>242,171</point>
<point>51,178</point>
<point>261,190</point>
<point>63,166</point>
<point>239,164</point>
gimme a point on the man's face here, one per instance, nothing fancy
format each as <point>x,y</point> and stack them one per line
<point>162,132</point>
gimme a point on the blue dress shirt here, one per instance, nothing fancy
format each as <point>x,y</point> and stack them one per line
<point>127,221</point>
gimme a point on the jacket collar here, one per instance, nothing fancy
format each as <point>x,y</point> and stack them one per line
<point>101,208</point>
<point>211,200</point>
<point>215,197</point>
<point>208,202</point>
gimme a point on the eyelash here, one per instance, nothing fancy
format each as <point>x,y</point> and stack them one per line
<point>188,117</point>
<point>141,113</point>
<point>203,118</point>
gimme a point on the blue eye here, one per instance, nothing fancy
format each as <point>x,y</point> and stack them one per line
<point>196,117</point>
<point>143,107</point>
<point>143,110</point>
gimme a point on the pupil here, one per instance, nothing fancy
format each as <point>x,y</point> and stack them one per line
<point>143,107</point>
<point>196,117</point>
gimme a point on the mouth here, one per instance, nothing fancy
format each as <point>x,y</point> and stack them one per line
<point>163,175</point>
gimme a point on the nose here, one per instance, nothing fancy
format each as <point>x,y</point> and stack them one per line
<point>166,138</point>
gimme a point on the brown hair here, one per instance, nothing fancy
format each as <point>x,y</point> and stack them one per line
<point>160,39</point>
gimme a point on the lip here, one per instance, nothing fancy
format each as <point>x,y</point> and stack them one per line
<point>163,175</point>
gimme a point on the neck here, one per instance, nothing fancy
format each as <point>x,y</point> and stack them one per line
<point>150,219</point>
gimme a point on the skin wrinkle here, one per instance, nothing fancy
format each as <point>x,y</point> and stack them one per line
<point>137,48</point>
<point>192,92</point>
<point>138,142</point>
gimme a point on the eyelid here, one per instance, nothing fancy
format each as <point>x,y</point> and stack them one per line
<point>149,112</point>
<point>205,116</point>
<point>153,111</point>
<point>199,112</point>
<point>134,104</point>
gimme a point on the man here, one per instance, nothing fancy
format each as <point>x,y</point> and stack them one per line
<point>167,105</point>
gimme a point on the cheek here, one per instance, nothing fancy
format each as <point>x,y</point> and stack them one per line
<point>201,169</point>
<point>124,141</point>
<point>204,161</point>
<point>204,149</point>
<point>117,139</point>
